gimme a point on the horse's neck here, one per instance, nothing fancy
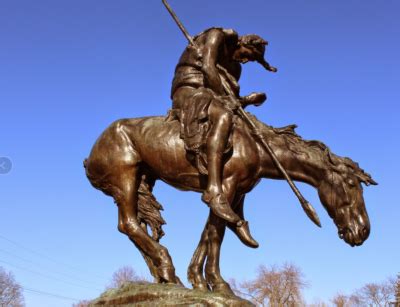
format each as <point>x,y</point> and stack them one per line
<point>305,167</point>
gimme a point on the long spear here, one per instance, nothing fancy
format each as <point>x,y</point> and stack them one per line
<point>307,207</point>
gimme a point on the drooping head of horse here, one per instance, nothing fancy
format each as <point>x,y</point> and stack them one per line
<point>338,180</point>
<point>341,193</point>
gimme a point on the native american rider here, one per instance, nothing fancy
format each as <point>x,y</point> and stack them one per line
<point>205,111</point>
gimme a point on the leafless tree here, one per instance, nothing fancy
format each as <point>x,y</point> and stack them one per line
<point>355,301</point>
<point>123,275</point>
<point>10,290</point>
<point>239,291</point>
<point>318,303</point>
<point>341,300</point>
<point>376,294</point>
<point>275,286</point>
<point>84,303</point>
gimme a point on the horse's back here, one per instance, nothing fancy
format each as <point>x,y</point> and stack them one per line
<point>158,143</point>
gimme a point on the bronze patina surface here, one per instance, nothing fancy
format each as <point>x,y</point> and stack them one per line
<point>209,144</point>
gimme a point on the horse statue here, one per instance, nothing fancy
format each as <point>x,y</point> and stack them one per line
<point>131,154</point>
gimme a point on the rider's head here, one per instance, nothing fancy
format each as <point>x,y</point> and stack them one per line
<point>251,47</point>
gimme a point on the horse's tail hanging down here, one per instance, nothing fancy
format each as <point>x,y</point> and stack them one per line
<point>149,210</point>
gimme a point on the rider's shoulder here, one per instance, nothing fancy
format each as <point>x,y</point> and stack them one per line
<point>216,30</point>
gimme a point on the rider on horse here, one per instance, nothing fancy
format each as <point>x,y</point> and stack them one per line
<point>206,112</point>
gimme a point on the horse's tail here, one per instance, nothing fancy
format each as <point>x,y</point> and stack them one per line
<point>149,210</point>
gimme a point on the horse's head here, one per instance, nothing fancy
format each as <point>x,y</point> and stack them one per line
<point>341,194</point>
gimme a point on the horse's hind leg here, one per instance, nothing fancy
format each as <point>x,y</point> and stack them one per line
<point>126,196</point>
<point>147,259</point>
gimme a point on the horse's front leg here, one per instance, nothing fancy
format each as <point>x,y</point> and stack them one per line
<point>216,231</point>
<point>195,270</point>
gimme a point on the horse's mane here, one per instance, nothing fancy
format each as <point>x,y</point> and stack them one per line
<point>299,146</point>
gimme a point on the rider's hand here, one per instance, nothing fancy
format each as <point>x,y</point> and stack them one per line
<point>256,99</point>
<point>195,51</point>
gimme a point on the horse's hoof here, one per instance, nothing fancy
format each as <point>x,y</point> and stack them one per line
<point>178,282</point>
<point>167,275</point>
<point>223,288</point>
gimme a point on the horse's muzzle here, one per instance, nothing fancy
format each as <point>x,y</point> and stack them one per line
<point>354,237</point>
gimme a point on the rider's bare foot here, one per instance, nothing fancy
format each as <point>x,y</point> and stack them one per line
<point>220,207</point>
<point>243,232</point>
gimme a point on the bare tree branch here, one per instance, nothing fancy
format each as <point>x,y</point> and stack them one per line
<point>10,290</point>
<point>84,303</point>
<point>276,286</point>
<point>123,275</point>
<point>341,300</point>
<point>375,294</point>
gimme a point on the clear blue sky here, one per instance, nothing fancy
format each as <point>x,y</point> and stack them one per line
<point>70,68</point>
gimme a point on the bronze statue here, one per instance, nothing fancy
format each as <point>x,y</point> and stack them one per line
<point>208,144</point>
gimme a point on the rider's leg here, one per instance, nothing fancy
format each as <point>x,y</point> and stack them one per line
<point>221,125</point>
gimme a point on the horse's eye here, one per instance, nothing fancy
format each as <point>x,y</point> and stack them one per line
<point>351,182</point>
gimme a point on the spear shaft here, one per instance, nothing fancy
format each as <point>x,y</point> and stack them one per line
<point>307,207</point>
<point>179,23</point>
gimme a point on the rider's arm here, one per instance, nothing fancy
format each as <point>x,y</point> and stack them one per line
<point>212,46</point>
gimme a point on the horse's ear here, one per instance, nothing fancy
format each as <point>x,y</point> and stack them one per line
<point>367,179</point>
<point>371,181</point>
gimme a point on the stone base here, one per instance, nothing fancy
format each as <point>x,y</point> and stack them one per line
<point>148,294</point>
